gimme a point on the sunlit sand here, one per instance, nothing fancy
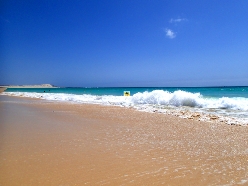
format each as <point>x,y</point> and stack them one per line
<point>51,143</point>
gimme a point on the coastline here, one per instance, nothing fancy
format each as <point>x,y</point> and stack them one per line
<point>230,111</point>
<point>56,143</point>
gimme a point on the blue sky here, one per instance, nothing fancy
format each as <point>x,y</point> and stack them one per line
<point>124,43</point>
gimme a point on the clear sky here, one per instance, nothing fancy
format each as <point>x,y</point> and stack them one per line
<point>89,43</point>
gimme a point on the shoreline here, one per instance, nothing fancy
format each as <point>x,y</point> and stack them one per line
<point>188,113</point>
<point>54,143</point>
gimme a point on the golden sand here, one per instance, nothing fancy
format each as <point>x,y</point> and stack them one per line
<point>44,143</point>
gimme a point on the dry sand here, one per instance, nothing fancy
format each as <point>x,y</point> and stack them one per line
<point>45,143</point>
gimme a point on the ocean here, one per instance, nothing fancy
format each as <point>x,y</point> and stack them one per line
<point>214,104</point>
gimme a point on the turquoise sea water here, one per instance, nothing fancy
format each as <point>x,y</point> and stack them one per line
<point>228,103</point>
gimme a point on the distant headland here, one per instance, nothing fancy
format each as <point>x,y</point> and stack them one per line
<point>3,88</point>
<point>32,86</point>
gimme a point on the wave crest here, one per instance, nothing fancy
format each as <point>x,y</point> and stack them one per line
<point>177,98</point>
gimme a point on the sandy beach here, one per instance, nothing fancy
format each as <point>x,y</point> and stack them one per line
<point>54,143</point>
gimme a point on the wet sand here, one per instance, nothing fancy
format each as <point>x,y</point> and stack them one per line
<point>49,143</point>
<point>2,89</point>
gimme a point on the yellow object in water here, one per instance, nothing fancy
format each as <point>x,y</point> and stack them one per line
<point>127,93</point>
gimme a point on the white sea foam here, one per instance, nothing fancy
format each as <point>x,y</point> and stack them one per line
<point>180,100</point>
<point>177,98</point>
